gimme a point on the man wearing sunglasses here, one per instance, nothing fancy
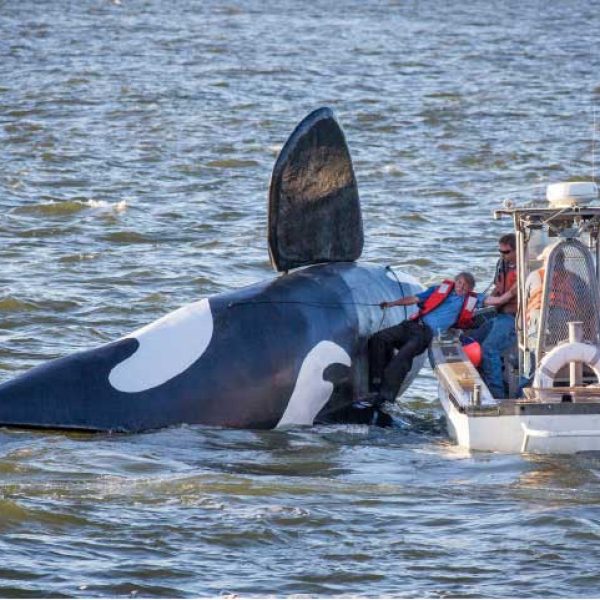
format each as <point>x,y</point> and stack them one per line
<point>498,334</point>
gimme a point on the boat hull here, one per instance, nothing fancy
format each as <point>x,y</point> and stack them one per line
<point>544,425</point>
<point>514,434</point>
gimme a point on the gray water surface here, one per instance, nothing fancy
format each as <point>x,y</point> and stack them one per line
<point>136,144</point>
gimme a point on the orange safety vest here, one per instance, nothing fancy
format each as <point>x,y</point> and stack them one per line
<point>439,295</point>
<point>505,278</point>
<point>563,298</point>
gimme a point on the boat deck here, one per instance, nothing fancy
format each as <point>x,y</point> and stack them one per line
<point>469,394</point>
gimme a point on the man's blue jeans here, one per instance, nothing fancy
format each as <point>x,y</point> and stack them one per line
<point>495,336</point>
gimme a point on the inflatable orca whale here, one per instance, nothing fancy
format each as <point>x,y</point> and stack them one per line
<point>290,351</point>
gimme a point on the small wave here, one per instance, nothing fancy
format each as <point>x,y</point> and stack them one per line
<point>79,257</point>
<point>128,237</point>
<point>105,206</point>
<point>387,128</point>
<point>46,232</point>
<point>203,281</point>
<point>11,511</point>
<point>392,170</point>
<point>69,207</point>
<point>444,95</point>
<point>443,193</point>
<point>57,305</point>
<point>23,127</point>
<point>457,204</point>
<point>231,11</point>
<point>22,113</point>
<point>214,49</point>
<point>232,163</point>
<point>64,207</point>
<point>415,218</point>
<point>422,262</point>
<point>371,117</point>
<point>154,298</point>
<point>10,304</point>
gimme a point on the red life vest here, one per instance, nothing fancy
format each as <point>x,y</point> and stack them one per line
<point>505,278</point>
<point>562,292</point>
<point>439,295</point>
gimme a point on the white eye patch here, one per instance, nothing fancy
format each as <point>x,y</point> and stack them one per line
<point>167,347</point>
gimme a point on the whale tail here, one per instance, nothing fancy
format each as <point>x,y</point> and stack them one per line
<point>314,209</point>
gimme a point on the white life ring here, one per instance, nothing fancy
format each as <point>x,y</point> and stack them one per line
<point>563,354</point>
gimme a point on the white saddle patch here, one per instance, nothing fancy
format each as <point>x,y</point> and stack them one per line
<point>311,391</point>
<point>167,348</point>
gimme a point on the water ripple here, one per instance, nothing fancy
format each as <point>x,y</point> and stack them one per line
<point>136,146</point>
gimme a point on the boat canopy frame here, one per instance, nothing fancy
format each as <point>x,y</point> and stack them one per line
<point>539,227</point>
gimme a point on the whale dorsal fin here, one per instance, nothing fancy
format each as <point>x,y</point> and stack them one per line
<point>314,209</point>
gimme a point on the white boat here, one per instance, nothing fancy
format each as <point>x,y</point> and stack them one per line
<point>552,377</point>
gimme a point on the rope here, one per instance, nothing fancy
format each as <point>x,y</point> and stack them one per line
<point>329,304</point>
<point>303,302</point>
<point>388,268</point>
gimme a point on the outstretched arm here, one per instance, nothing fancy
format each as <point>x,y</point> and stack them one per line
<point>400,302</point>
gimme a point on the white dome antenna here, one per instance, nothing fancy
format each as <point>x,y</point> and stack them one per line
<point>572,193</point>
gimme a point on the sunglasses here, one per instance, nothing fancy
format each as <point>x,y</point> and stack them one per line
<point>505,251</point>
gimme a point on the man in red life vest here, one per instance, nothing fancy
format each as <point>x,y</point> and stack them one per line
<point>498,334</point>
<point>441,307</point>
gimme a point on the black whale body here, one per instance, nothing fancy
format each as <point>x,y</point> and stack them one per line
<point>289,351</point>
<point>296,344</point>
